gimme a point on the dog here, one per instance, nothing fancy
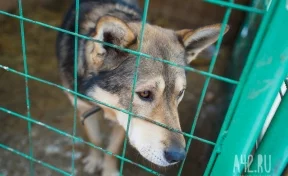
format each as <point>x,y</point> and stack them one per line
<point>106,74</point>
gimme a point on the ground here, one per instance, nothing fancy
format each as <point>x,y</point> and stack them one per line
<point>49,104</point>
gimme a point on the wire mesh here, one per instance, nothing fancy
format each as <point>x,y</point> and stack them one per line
<point>207,80</point>
<point>134,81</point>
<point>23,44</point>
<point>230,5</point>
<point>75,84</point>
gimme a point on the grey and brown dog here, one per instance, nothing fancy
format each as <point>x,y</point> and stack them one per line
<point>106,74</point>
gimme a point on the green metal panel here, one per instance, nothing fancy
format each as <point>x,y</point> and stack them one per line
<point>268,70</point>
<point>237,93</point>
<point>272,155</point>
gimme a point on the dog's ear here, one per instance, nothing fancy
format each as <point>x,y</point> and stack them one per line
<point>197,40</point>
<point>111,30</point>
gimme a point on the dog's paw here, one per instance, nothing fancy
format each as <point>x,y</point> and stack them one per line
<point>93,162</point>
<point>109,172</point>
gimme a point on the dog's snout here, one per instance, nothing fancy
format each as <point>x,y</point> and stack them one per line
<point>174,154</point>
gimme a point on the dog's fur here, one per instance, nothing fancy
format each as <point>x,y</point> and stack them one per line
<point>106,74</point>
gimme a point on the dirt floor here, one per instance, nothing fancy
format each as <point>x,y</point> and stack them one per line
<point>49,105</point>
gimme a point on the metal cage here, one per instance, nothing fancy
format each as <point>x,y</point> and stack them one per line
<point>266,66</point>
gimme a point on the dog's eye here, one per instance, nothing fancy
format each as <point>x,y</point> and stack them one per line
<point>145,95</point>
<point>181,93</point>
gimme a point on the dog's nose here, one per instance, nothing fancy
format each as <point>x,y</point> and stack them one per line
<point>174,154</point>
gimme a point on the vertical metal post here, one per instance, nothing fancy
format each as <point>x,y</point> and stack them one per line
<point>268,70</point>
<point>25,65</point>
<point>271,157</point>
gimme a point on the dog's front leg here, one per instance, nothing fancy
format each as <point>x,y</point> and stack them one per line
<point>93,161</point>
<point>115,143</point>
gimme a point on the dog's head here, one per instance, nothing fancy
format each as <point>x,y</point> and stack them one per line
<point>159,88</point>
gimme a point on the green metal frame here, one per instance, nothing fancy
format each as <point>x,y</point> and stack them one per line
<point>274,143</point>
<point>262,81</point>
<point>265,69</point>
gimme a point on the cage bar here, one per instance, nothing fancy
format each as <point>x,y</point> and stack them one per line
<point>145,56</point>
<point>236,6</point>
<point>257,86</point>
<point>258,94</point>
<point>31,159</point>
<point>78,139</point>
<point>105,104</point>
<point>267,155</point>
<point>135,77</point>
<point>206,83</point>
<point>74,130</point>
<point>25,65</point>
<point>244,75</point>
